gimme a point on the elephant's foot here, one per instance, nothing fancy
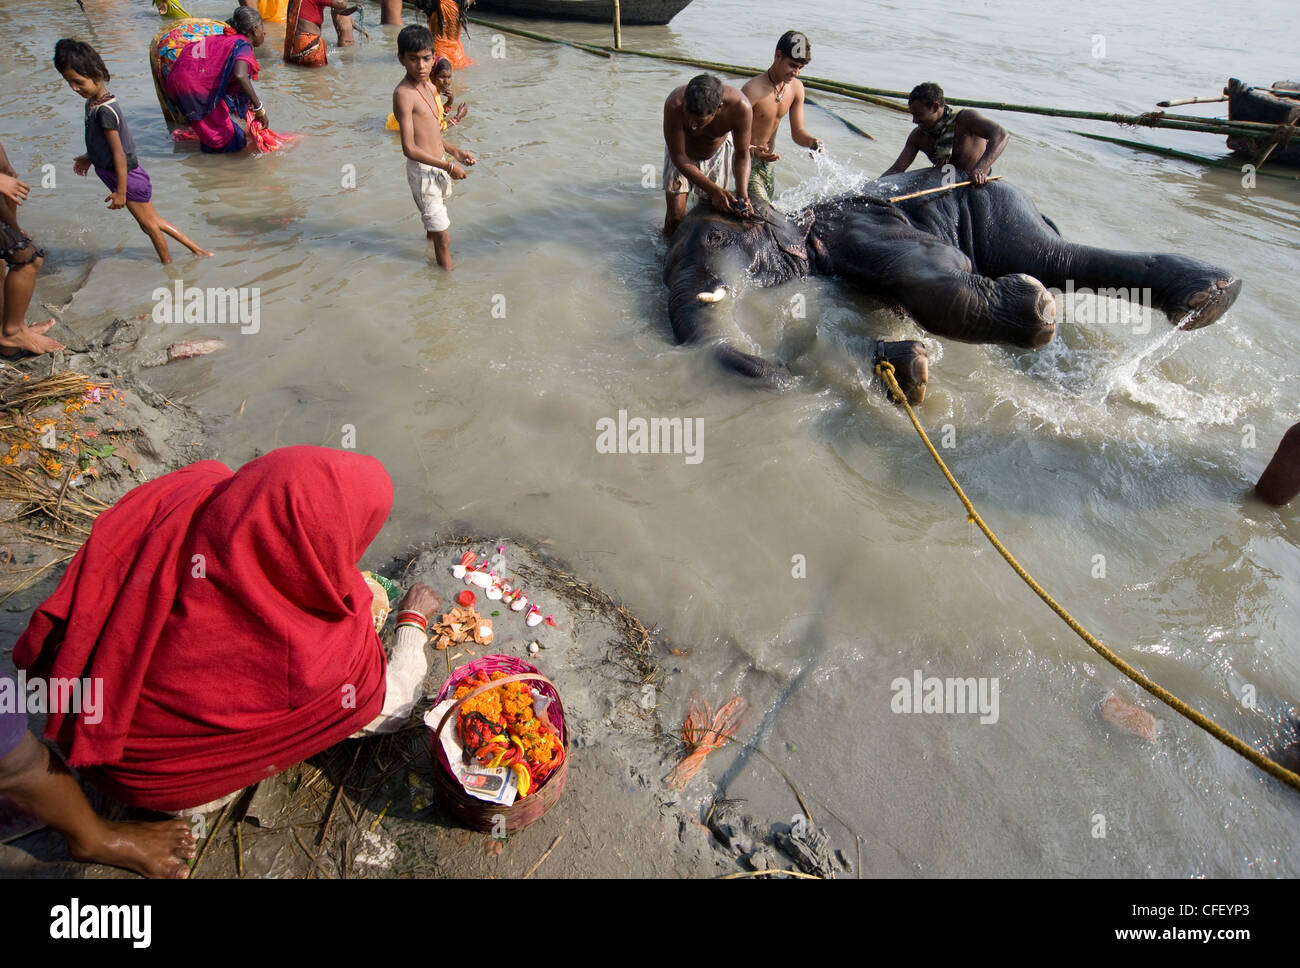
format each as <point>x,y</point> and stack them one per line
<point>1024,312</point>
<point>911,366</point>
<point>1204,304</point>
<point>1015,309</point>
<point>755,367</point>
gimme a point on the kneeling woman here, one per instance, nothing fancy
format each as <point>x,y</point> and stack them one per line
<point>210,100</point>
<point>229,626</point>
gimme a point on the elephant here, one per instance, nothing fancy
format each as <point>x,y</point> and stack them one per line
<point>968,263</point>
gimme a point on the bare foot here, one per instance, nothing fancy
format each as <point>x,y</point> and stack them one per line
<point>44,327</point>
<point>152,849</point>
<point>29,339</point>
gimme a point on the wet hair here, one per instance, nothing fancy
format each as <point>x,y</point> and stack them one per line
<point>413,39</point>
<point>703,95</point>
<point>75,55</point>
<point>795,46</point>
<point>927,93</point>
<point>245,21</point>
<point>463,18</point>
<point>439,66</point>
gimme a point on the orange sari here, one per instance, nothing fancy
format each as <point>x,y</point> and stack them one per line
<point>447,43</point>
<point>305,50</point>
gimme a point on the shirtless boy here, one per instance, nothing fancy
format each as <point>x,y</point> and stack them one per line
<point>703,121</point>
<point>964,139</point>
<point>774,94</point>
<point>428,172</point>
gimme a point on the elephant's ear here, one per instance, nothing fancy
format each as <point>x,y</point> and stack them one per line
<point>791,232</point>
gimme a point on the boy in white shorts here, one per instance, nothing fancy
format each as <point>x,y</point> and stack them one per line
<point>428,171</point>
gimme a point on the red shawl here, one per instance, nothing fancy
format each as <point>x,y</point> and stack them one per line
<point>228,621</point>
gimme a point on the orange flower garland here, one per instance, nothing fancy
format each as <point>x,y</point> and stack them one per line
<point>501,728</point>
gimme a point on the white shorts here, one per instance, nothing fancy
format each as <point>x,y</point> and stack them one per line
<point>715,169</point>
<point>430,187</point>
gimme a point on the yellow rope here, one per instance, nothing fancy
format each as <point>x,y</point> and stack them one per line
<point>885,371</point>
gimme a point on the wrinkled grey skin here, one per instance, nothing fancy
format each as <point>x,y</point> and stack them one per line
<point>972,264</point>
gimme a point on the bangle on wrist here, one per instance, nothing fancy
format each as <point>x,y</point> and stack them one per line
<point>409,616</point>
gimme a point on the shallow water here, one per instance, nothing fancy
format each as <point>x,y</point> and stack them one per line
<point>1106,443</point>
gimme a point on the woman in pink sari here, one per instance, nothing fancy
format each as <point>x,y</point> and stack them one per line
<point>211,82</point>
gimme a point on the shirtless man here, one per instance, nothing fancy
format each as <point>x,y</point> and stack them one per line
<point>703,121</point>
<point>774,94</point>
<point>964,139</point>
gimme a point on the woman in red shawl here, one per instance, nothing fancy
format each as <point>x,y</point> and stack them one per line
<point>225,615</point>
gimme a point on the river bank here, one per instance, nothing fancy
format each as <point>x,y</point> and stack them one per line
<point>366,808</point>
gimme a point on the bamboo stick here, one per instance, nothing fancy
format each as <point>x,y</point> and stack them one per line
<point>844,121</point>
<point>1183,155</point>
<point>1191,100</point>
<point>618,26</point>
<point>941,188</point>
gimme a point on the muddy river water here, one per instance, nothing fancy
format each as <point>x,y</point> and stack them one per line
<point>808,554</point>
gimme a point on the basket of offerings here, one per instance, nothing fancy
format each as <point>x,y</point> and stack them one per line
<point>508,725</point>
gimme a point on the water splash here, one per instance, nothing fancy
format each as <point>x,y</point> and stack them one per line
<point>832,179</point>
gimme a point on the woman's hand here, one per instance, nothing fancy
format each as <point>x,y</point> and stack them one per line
<point>81,164</point>
<point>117,199</point>
<point>423,599</point>
<point>460,115</point>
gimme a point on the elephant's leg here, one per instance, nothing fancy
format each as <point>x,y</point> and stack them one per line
<point>1191,293</point>
<point>933,282</point>
<point>696,295</point>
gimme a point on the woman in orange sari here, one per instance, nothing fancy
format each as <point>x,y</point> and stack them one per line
<point>304,44</point>
<point>446,23</point>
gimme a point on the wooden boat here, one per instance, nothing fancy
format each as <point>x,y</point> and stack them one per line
<point>632,12</point>
<point>1247,103</point>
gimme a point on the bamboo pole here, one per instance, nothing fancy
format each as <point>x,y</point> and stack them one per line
<point>844,121</point>
<point>1183,155</point>
<point>1154,119</point>
<point>941,188</point>
<point>1191,100</point>
<point>618,27</point>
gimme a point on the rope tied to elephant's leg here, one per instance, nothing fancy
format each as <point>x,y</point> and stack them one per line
<point>885,370</point>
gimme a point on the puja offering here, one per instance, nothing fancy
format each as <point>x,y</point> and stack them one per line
<point>498,717</point>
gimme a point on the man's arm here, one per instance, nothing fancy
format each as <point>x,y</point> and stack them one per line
<point>403,110</point>
<point>981,127</point>
<point>904,160</point>
<point>741,131</point>
<point>797,131</point>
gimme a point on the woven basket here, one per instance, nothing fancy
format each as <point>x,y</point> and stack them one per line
<point>479,814</point>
